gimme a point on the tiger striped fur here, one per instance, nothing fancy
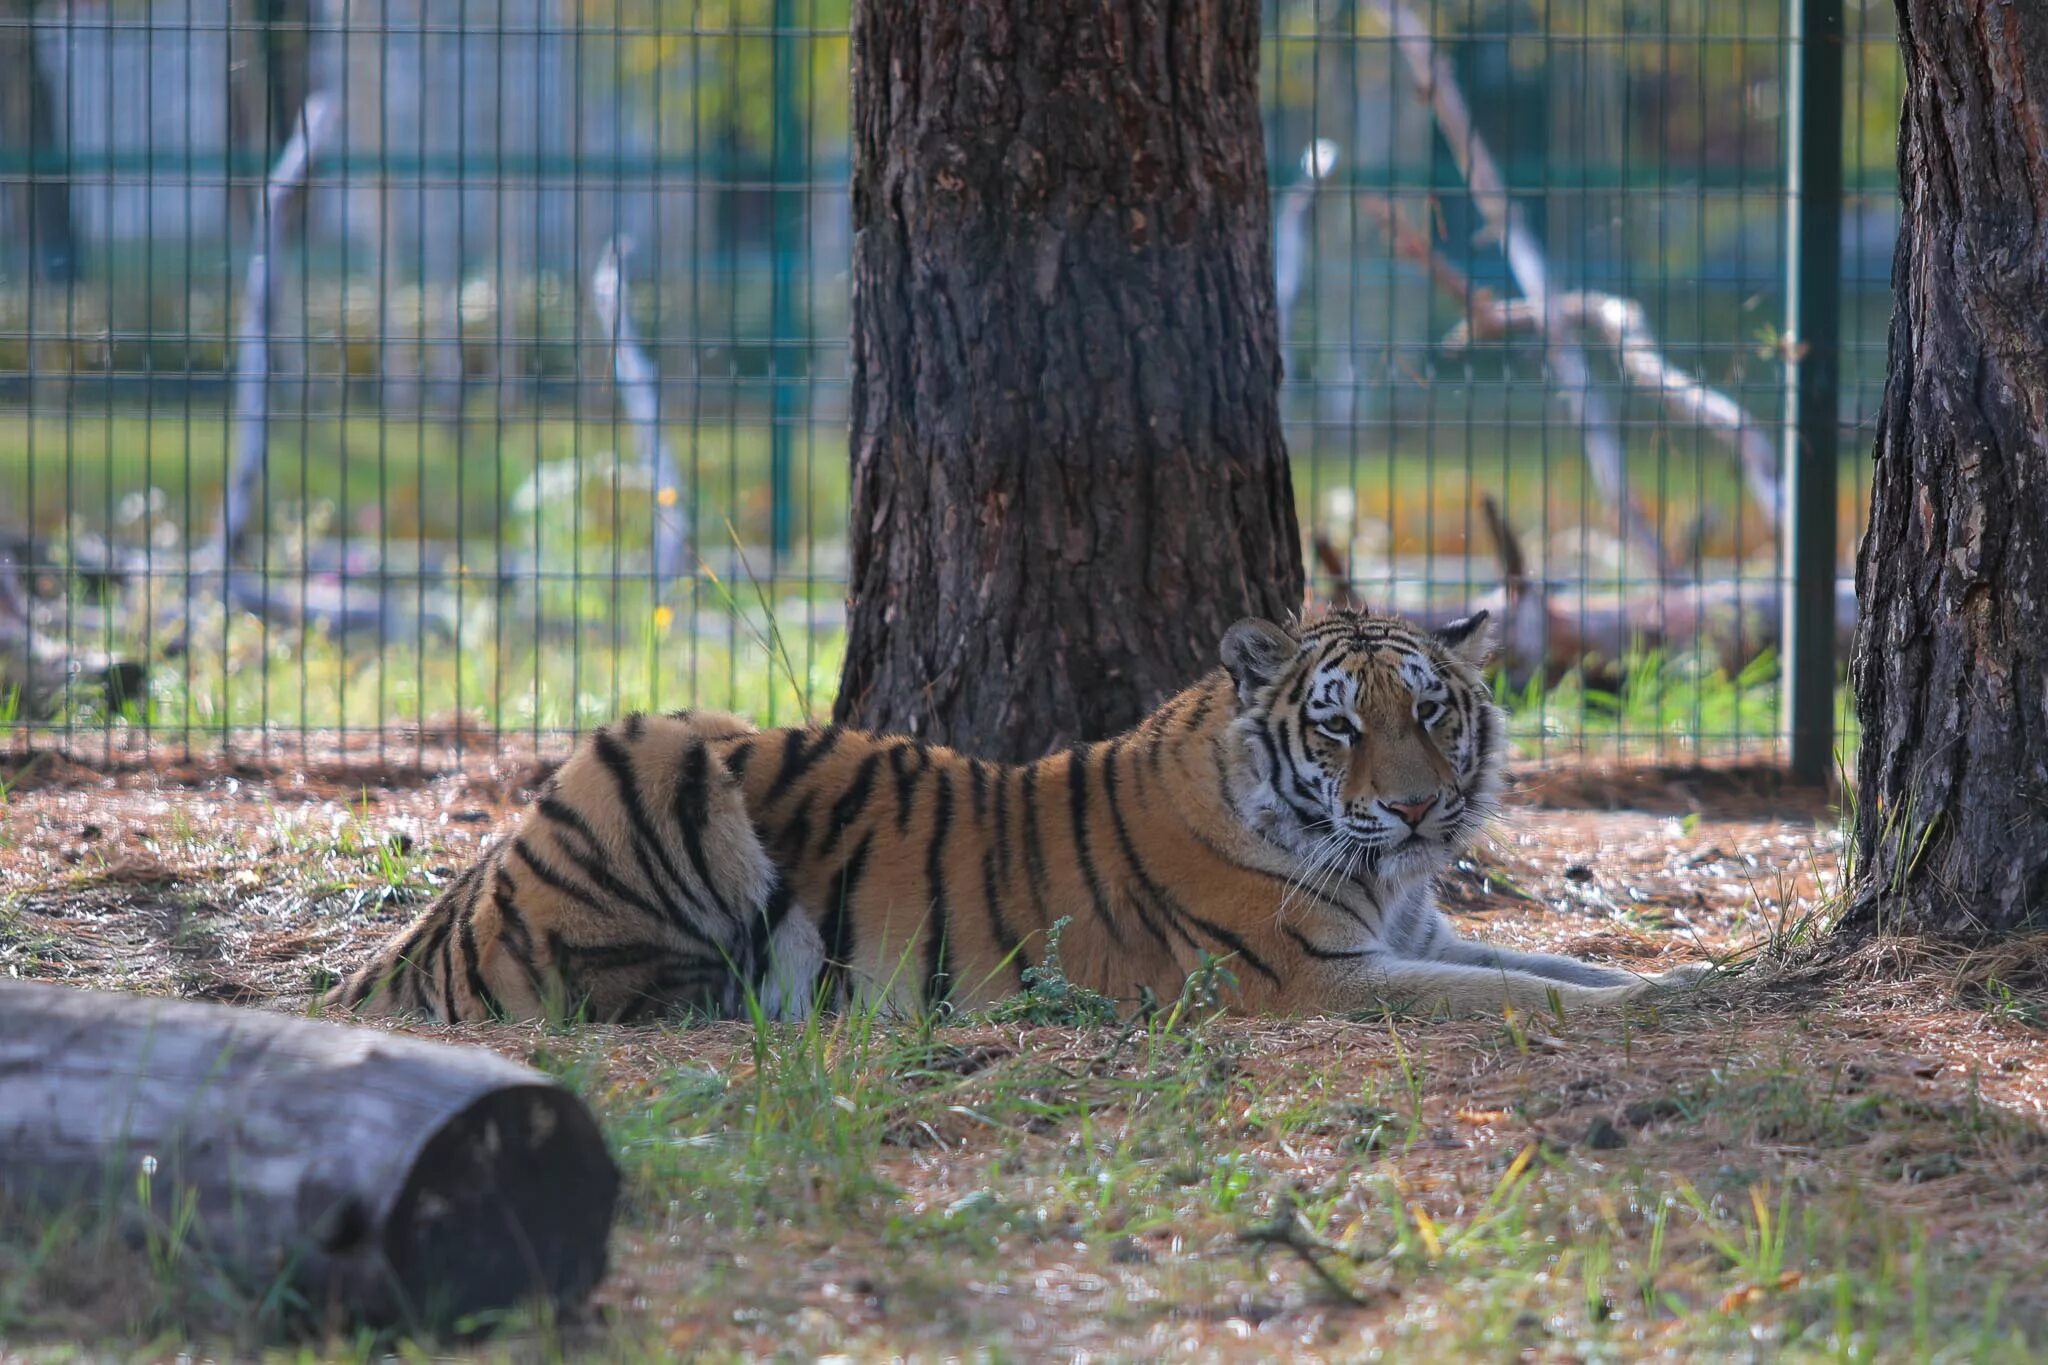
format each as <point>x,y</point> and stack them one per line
<point>1287,813</point>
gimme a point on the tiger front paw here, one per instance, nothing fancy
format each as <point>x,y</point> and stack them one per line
<point>1685,976</point>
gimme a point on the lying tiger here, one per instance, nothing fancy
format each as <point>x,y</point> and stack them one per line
<point>1286,814</point>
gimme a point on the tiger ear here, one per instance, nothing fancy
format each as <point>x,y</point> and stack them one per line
<point>1255,651</point>
<point>1467,638</point>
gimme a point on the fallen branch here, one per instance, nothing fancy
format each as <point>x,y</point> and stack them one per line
<point>1624,326</point>
<point>1549,633</point>
<point>343,609</point>
<point>383,1178</point>
<point>637,382</point>
<point>41,675</point>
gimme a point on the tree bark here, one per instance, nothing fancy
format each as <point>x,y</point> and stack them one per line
<point>41,214</point>
<point>268,80</point>
<point>1069,477</point>
<point>1951,669</point>
<point>386,1179</point>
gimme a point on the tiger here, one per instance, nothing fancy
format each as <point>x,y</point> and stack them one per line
<point>1280,824</point>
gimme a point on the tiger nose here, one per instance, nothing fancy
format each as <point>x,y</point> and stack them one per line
<point>1411,811</point>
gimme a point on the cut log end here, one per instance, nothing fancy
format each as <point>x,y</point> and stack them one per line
<point>384,1179</point>
<point>512,1198</point>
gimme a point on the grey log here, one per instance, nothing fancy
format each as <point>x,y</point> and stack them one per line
<point>389,1179</point>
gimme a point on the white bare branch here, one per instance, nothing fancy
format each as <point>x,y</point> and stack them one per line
<point>638,384</point>
<point>1434,81</point>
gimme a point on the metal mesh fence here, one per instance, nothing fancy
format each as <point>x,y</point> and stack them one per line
<point>379,374</point>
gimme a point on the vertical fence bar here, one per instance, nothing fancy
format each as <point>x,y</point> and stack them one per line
<point>1812,326</point>
<point>785,344</point>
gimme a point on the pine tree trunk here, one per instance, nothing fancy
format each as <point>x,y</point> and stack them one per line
<point>1069,477</point>
<point>1951,667</point>
<point>268,80</point>
<point>40,216</point>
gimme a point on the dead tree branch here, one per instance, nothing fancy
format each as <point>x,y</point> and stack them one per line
<point>1289,1232</point>
<point>253,326</point>
<point>1549,631</point>
<point>637,381</point>
<point>1434,80</point>
<point>1624,326</point>
<point>1619,322</point>
<point>1481,305</point>
<point>1290,229</point>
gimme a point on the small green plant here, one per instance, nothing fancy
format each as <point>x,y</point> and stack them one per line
<point>1050,998</point>
<point>1759,1254</point>
<point>167,1236</point>
<point>2008,1004</point>
<point>1653,1257</point>
<point>1229,1179</point>
<point>1201,995</point>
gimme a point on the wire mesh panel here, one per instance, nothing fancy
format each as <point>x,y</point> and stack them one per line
<point>1533,266</point>
<point>378,375</point>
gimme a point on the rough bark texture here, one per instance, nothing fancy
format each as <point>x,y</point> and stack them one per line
<point>268,80</point>
<point>1951,667</point>
<point>39,214</point>
<point>1069,477</point>
<point>384,1177</point>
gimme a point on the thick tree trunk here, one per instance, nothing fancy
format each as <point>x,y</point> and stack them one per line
<point>1069,477</point>
<point>40,216</point>
<point>268,80</point>
<point>383,1178</point>
<point>1951,667</point>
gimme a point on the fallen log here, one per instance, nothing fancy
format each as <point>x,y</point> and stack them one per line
<point>42,675</point>
<point>386,1179</point>
<point>1549,631</point>
<point>1552,630</point>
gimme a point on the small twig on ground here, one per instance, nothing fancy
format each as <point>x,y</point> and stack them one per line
<point>1287,1231</point>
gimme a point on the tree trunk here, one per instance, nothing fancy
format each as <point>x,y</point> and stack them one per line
<point>1951,669</point>
<point>383,1178</point>
<point>1069,477</point>
<point>40,217</point>
<point>268,80</point>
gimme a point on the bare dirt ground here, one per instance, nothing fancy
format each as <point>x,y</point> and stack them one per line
<point>1844,1162</point>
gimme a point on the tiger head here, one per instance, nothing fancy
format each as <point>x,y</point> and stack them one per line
<point>1375,742</point>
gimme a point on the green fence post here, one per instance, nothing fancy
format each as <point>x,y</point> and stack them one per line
<point>1813,185</point>
<point>786,238</point>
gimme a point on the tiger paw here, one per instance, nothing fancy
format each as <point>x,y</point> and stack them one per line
<point>1685,976</point>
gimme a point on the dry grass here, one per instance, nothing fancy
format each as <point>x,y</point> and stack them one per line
<point>1843,1164</point>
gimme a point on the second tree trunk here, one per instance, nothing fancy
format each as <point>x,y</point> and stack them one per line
<point>1069,477</point>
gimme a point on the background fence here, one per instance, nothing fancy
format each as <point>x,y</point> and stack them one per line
<point>376,373</point>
